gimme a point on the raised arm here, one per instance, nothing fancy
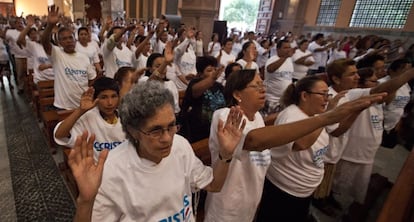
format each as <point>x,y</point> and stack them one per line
<point>229,136</point>
<point>52,19</point>
<point>87,174</point>
<point>272,136</point>
<point>115,38</point>
<point>142,44</point>
<point>208,81</point>
<point>87,102</point>
<point>394,84</point>
<point>168,58</point>
<point>105,27</point>
<point>21,41</point>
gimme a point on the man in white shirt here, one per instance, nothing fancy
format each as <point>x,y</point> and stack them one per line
<point>224,57</point>
<point>278,76</point>
<point>320,54</point>
<point>20,53</point>
<point>73,70</point>
<point>115,52</point>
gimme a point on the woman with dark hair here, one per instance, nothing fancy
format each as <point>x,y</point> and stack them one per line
<point>203,96</point>
<point>247,56</point>
<point>297,168</point>
<point>115,52</point>
<point>241,193</point>
<point>214,45</point>
<point>127,77</point>
<point>90,48</point>
<point>157,70</point>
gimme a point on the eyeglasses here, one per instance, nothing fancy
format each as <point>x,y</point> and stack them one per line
<point>325,94</point>
<point>157,133</point>
<point>257,87</point>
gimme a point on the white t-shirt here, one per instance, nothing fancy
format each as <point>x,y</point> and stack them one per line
<point>170,85</point>
<point>185,58</point>
<point>11,36</point>
<point>141,62</point>
<point>300,70</point>
<point>159,47</point>
<point>237,47</point>
<point>107,136</point>
<point>365,136</point>
<point>216,48</point>
<point>262,56</point>
<point>172,74</point>
<point>136,189</point>
<point>394,110</point>
<point>277,81</point>
<point>199,48</point>
<point>300,172</point>
<point>320,57</point>
<point>224,61</point>
<point>115,58</point>
<point>39,57</point>
<point>337,144</point>
<point>72,73</point>
<point>243,64</point>
<point>242,190</point>
<point>335,55</point>
<point>90,50</point>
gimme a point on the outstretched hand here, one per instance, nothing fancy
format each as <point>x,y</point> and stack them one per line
<point>87,102</point>
<point>30,20</point>
<point>53,14</point>
<point>333,102</point>
<point>230,134</point>
<point>169,52</point>
<point>355,106</point>
<point>87,173</point>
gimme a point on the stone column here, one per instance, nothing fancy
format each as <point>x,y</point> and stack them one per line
<point>290,15</point>
<point>200,14</point>
<point>78,9</point>
<point>114,8</point>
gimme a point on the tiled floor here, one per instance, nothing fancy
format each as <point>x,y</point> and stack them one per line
<point>39,192</point>
<point>32,189</point>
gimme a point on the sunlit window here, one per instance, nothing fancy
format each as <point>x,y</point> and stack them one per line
<point>328,11</point>
<point>380,13</point>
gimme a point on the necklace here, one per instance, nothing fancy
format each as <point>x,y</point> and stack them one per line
<point>110,120</point>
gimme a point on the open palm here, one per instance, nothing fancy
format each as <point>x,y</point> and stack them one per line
<point>53,14</point>
<point>87,102</point>
<point>229,135</point>
<point>87,174</point>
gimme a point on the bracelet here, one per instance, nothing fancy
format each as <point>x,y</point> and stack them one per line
<point>225,160</point>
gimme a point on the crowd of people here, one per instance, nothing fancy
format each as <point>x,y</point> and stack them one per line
<point>333,101</point>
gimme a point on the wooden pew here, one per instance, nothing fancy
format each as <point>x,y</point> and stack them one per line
<point>202,151</point>
<point>48,114</point>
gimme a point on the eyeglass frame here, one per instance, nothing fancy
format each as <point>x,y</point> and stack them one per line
<point>257,87</point>
<point>326,95</point>
<point>160,131</point>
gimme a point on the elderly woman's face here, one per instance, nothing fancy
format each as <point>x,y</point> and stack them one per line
<point>253,96</point>
<point>152,146</point>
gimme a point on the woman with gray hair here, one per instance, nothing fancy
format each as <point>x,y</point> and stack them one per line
<point>152,175</point>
